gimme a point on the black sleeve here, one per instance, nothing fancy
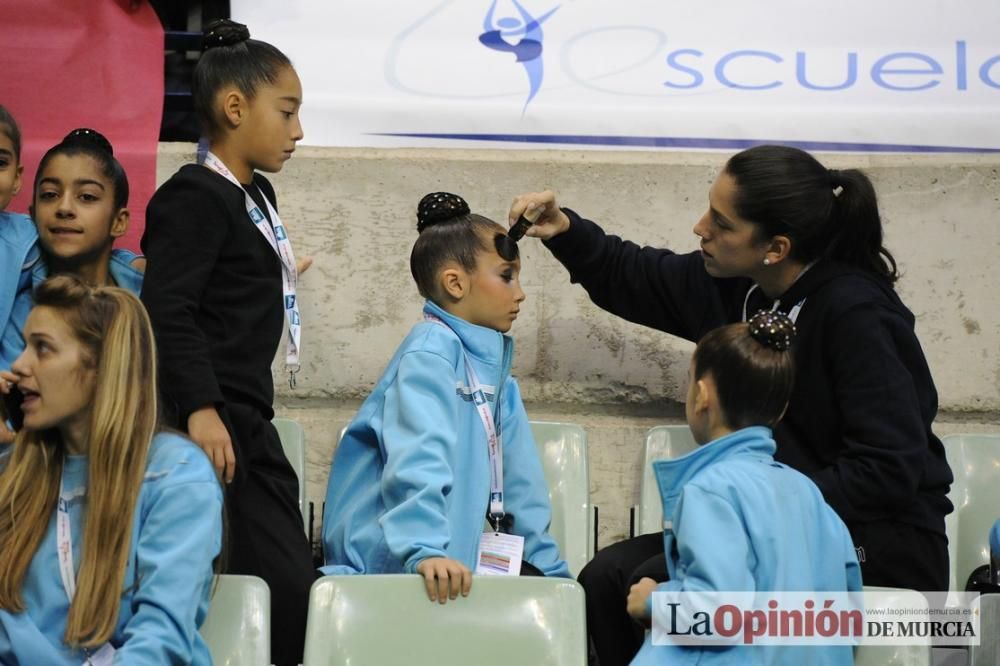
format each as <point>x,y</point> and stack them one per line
<point>186,227</point>
<point>884,436</point>
<point>649,286</point>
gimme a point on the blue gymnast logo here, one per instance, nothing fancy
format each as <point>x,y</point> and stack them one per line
<point>527,30</point>
<point>289,302</point>
<point>479,398</point>
<point>256,216</point>
<point>279,232</point>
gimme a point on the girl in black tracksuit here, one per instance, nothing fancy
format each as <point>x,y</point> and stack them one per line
<point>215,295</point>
<point>784,232</point>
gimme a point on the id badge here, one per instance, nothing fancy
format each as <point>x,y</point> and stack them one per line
<point>103,657</point>
<point>500,554</point>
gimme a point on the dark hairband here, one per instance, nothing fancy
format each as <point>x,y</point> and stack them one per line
<point>438,207</point>
<point>88,137</point>
<point>772,329</point>
<point>223,32</point>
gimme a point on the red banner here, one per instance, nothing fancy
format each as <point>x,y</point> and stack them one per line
<point>85,63</point>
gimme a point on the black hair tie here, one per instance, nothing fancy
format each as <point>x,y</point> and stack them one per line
<point>438,207</point>
<point>89,137</point>
<point>772,329</point>
<point>223,32</point>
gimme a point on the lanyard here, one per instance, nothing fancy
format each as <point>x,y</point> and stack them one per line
<point>64,546</point>
<point>793,314</point>
<point>64,549</point>
<point>494,442</point>
<point>275,235</point>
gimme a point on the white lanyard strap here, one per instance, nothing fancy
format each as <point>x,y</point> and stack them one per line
<point>275,235</point>
<point>64,547</point>
<point>494,441</point>
<point>793,314</point>
<point>104,655</point>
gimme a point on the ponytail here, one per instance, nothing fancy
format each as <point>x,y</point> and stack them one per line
<point>826,213</point>
<point>857,226</point>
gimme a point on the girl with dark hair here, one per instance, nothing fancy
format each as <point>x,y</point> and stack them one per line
<point>108,527</point>
<point>731,488</point>
<point>220,288</point>
<point>783,232</point>
<point>444,438</point>
<point>79,208</point>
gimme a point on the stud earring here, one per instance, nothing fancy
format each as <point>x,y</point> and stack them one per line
<point>767,262</point>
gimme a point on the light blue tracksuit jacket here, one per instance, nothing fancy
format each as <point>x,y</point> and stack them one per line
<point>22,268</point>
<point>410,479</point>
<point>176,534</point>
<point>736,520</point>
<point>19,253</point>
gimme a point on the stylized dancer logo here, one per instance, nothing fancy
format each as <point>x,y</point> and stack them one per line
<point>528,49</point>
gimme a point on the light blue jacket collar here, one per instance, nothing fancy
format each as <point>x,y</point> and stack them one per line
<point>673,474</point>
<point>486,345</point>
<point>120,267</point>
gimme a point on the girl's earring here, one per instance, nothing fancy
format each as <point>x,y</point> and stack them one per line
<point>767,262</point>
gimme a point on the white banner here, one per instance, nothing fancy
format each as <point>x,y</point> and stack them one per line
<point>885,76</point>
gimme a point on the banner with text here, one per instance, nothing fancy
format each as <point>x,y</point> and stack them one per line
<point>889,76</point>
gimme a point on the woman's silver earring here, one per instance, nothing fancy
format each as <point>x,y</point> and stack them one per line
<point>767,262</point>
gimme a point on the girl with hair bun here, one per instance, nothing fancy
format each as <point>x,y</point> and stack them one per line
<point>783,231</point>
<point>729,491</point>
<point>220,288</point>
<point>443,440</point>
<point>108,526</point>
<point>80,207</point>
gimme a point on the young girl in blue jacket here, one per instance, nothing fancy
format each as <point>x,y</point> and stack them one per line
<point>18,243</point>
<point>108,528</point>
<point>721,501</point>
<point>416,473</point>
<point>80,207</point>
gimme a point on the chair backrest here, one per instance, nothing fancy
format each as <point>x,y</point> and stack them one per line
<point>896,655</point>
<point>293,442</point>
<point>974,461</point>
<point>374,620</point>
<point>987,653</point>
<point>562,448</point>
<point>661,442</point>
<point>238,627</point>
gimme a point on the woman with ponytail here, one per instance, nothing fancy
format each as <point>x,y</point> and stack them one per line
<point>782,232</point>
<point>108,528</point>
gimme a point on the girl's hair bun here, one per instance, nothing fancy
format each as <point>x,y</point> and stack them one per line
<point>223,32</point>
<point>438,207</point>
<point>772,329</point>
<point>89,137</point>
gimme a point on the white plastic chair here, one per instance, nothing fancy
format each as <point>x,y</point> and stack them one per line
<point>562,448</point>
<point>661,442</point>
<point>975,462</point>
<point>896,655</point>
<point>238,626</point>
<point>293,442</point>
<point>381,620</point>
